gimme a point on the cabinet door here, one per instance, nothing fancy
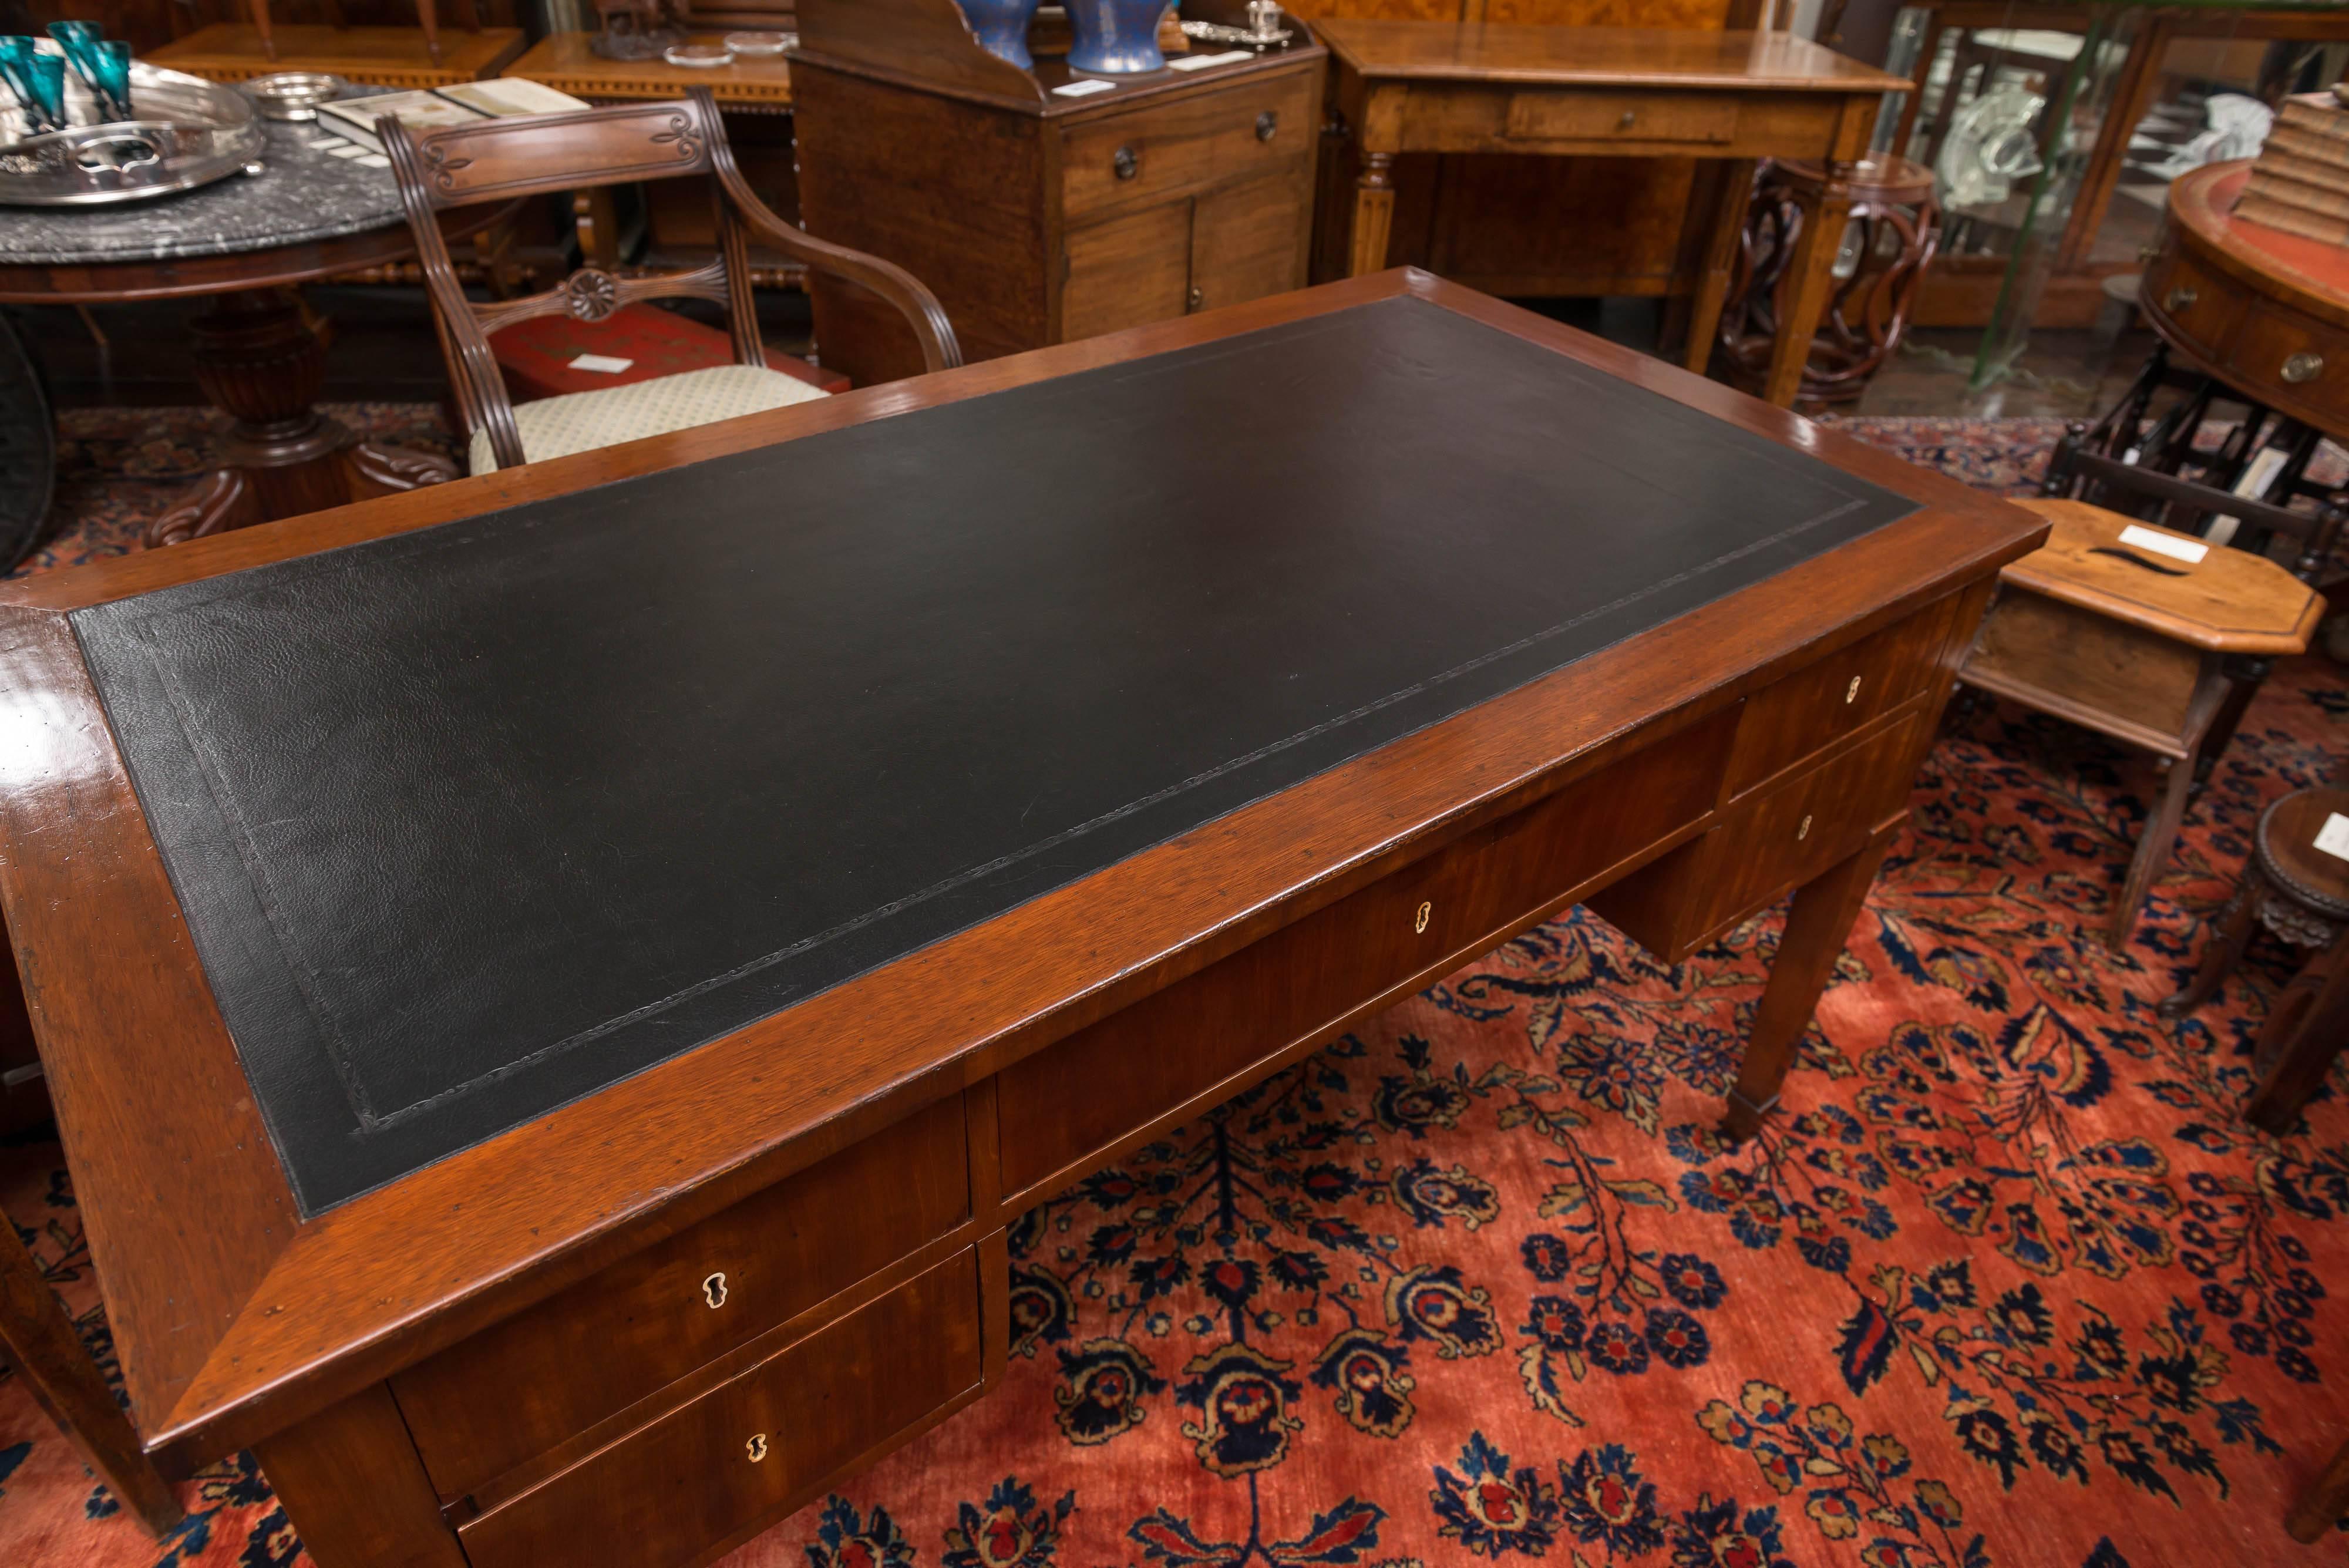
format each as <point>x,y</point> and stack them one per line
<point>1249,241</point>
<point>1127,271</point>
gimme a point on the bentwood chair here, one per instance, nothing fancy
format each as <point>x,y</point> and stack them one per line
<point>2127,624</point>
<point>498,159</point>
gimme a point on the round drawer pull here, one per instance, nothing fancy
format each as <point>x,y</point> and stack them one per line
<point>1266,124</point>
<point>2178,299</point>
<point>2304,367</point>
<point>757,1446</point>
<point>1851,693</point>
<point>1126,164</point>
<point>1628,116</point>
<point>1805,831</point>
<point>1419,922</point>
<point>713,1290</point>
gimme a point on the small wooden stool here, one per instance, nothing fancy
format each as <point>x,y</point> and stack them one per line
<point>1900,227</point>
<point>2132,643</point>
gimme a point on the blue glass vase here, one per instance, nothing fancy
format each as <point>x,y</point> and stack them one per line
<point>1115,37</point>
<point>1002,27</point>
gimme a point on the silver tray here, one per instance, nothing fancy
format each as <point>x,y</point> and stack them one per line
<point>188,133</point>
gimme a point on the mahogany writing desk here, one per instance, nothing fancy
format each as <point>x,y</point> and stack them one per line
<point>554,985</point>
<point>1729,98</point>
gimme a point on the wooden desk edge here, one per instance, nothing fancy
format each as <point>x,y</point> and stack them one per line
<point>275,1362</point>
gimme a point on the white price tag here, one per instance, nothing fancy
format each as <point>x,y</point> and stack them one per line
<point>606,363</point>
<point>1201,62</point>
<point>1085,88</point>
<point>2333,836</point>
<point>2161,544</point>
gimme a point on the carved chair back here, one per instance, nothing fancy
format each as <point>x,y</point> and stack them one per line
<point>2078,473</point>
<point>500,160</point>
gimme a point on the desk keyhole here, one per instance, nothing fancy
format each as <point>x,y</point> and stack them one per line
<point>1419,922</point>
<point>713,1290</point>
<point>1805,831</point>
<point>757,1446</point>
<point>1851,693</point>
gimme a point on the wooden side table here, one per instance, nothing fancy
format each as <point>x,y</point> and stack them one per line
<point>1728,98</point>
<point>389,57</point>
<point>568,62</point>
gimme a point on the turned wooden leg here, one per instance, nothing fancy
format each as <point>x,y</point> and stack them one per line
<point>1809,279</point>
<point>1374,214</point>
<point>48,1356</point>
<point>2152,854</point>
<point>352,1484</point>
<point>2322,1505</point>
<point>2306,1031</point>
<point>1735,195</point>
<point>259,358</point>
<point>1817,927</point>
<point>260,9</point>
<point>431,23</point>
<point>2229,938</point>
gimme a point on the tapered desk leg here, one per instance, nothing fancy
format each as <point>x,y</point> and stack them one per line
<point>1817,929</point>
<point>48,1356</point>
<point>1374,214</point>
<point>1735,193</point>
<point>1804,290</point>
<point>352,1484</point>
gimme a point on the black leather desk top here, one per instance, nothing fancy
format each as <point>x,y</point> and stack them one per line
<point>474,820</point>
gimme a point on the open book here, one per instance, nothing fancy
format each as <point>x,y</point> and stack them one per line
<point>454,105</point>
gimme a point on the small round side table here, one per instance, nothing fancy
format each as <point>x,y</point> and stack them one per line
<point>245,241</point>
<point>2300,893</point>
<point>1898,229</point>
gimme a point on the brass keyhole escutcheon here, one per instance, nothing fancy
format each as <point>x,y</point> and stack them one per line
<point>757,1446</point>
<point>1851,693</point>
<point>1805,831</point>
<point>1126,164</point>
<point>1197,297</point>
<point>2304,367</point>
<point>713,1290</point>
<point>1419,922</point>
<point>2178,299</point>
<point>1625,123</point>
<point>1266,124</point>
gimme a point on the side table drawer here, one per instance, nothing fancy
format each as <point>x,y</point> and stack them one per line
<point>2281,357</point>
<point>1080,1095</point>
<point>753,1446</point>
<point>1620,117</point>
<point>2203,311</point>
<point>1839,695</point>
<point>1773,840</point>
<point>1186,144</point>
<point>514,1391</point>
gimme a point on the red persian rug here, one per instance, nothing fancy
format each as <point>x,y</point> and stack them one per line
<point>2008,1282</point>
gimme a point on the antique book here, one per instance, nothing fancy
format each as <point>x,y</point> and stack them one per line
<point>2285,187</point>
<point>459,104</point>
<point>2317,159</point>
<point>2293,220</point>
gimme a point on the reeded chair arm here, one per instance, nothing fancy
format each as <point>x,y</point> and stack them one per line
<point>893,282</point>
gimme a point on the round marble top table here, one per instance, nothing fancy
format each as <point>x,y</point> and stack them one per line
<point>245,241</point>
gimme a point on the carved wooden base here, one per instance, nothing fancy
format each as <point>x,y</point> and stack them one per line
<point>262,359</point>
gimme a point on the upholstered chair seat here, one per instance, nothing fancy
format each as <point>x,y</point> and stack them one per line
<point>582,421</point>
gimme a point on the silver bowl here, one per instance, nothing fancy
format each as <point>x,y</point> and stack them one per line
<point>293,95</point>
<point>185,131</point>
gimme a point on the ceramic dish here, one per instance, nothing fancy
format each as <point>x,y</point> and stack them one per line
<point>760,44</point>
<point>705,56</point>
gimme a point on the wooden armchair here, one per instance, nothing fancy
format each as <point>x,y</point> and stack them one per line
<point>2126,637</point>
<point>497,160</point>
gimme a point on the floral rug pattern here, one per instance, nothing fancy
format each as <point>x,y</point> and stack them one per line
<point>2008,1282</point>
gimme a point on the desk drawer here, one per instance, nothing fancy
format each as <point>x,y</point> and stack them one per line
<point>1160,149</point>
<point>2203,312</point>
<point>1076,1097</point>
<point>1620,117</point>
<point>2284,357</point>
<point>1843,693</point>
<point>514,1391</point>
<point>752,1447</point>
<point>1771,840</point>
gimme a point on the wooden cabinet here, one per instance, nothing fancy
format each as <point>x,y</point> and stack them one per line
<point>1039,218</point>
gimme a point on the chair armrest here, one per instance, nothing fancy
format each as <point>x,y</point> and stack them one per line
<point>893,282</point>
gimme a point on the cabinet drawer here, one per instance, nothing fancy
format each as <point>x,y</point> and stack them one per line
<point>2282,358</point>
<point>1620,117</point>
<point>753,1446</point>
<point>1841,695</point>
<point>1186,144</point>
<point>514,1391</point>
<point>1074,1098</point>
<point>1771,841</point>
<point>2204,313</point>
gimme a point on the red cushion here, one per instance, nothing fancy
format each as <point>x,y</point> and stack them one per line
<point>536,354</point>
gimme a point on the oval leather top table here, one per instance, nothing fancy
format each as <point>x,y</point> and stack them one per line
<point>2265,311</point>
<point>244,240</point>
